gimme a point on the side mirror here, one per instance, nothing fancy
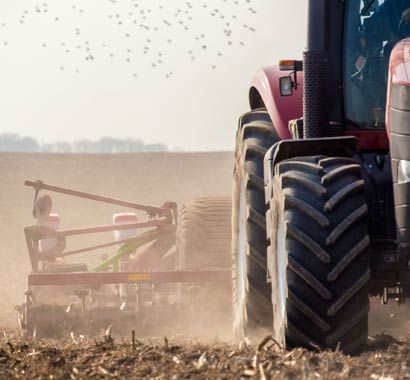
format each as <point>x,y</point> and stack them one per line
<point>286,86</point>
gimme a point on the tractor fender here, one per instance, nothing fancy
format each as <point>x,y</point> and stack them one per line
<point>265,92</point>
<point>398,129</point>
<point>340,146</point>
<point>399,83</point>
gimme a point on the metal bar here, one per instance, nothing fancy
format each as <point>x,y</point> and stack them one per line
<point>39,185</point>
<point>57,279</point>
<point>94,247</point>
<point>29,242</point>
<point>46,232</point>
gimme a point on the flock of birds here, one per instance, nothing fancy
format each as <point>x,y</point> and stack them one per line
<point>152,30</point>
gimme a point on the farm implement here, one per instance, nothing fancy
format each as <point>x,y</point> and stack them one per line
<point>146,282</point>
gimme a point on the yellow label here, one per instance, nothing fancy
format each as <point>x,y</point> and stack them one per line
<point>139,277</point>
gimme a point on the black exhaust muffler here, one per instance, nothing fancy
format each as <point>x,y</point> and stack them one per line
<point>315,67</point>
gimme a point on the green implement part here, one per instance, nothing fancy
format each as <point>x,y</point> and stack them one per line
<point>127,249</point>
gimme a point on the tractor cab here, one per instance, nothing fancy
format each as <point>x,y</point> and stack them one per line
<point>370,36</point>
<point>354,42</point>
<point>372,29</point>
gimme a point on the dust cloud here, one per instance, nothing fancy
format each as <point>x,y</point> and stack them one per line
<point>147,178</point>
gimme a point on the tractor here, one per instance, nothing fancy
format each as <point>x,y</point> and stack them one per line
<point>321,191</point>
<point>319,218</point>
<point>170,272</point>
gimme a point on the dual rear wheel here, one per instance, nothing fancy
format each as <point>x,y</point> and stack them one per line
<point>251,293</point>
<point>311,246</point>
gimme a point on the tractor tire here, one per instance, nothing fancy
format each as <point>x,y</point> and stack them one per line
<point>251,294</point>
<point>204,234</point>
<point>204,243</point>
<point>318,258</point>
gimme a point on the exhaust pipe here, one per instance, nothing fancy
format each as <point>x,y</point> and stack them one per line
<point>315,67</point>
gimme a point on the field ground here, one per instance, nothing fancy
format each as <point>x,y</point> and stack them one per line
<point>170,358</point>
<point>152,179</point>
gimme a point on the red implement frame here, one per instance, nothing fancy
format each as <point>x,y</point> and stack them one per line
<point>163,220</point>
<point>36,279</point>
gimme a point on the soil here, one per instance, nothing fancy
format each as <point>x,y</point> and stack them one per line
<point>77,357</point>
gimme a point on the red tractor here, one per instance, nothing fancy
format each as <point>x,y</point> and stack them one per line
<point>321,200</point>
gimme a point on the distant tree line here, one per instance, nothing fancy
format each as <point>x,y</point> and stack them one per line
<point>11,142</point>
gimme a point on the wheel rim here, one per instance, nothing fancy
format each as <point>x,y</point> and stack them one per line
<point>279,283</point>
<point>281,263</point>
<point>242,242</point>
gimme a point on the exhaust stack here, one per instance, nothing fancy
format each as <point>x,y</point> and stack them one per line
<point>315,67</point>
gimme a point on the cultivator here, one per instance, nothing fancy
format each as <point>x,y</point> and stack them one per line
<point>136,287</point>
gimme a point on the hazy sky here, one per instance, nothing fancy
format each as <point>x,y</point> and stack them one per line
<point>166,71</point>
